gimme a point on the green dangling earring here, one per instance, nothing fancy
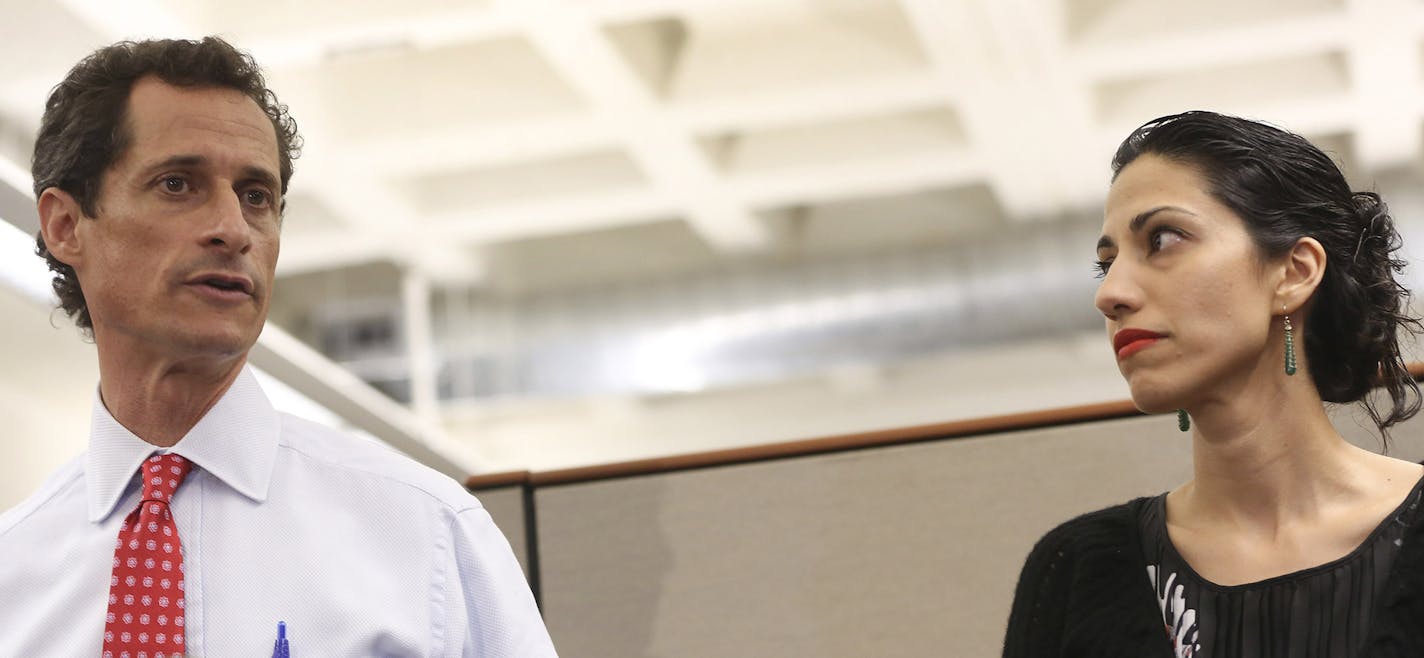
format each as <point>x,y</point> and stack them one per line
<point>1184,422</point>
<point>1290,348</point>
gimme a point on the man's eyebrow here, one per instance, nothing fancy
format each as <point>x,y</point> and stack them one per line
<point>1139,221</point>
<point>264,177</point>
<point>179,161</point>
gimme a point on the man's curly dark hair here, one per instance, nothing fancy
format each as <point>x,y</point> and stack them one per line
<point>84,130</point>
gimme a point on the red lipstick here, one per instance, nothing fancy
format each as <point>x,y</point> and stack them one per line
<point>1131,341</point>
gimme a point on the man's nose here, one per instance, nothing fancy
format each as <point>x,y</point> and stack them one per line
<point>228,226</point>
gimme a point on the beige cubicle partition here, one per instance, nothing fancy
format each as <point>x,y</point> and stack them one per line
<point>503,495</point>
<point>901,547</point>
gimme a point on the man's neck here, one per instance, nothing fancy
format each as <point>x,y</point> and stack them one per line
<point>161,399</point>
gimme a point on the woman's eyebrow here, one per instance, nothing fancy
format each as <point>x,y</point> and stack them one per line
<point>1139,221</point>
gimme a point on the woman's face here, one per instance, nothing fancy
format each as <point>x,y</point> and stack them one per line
<point>1188,307</point>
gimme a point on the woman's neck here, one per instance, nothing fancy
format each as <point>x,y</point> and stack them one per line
<point>1267,460</point>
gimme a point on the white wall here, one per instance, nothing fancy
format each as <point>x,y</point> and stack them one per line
<point>48,374</point>
<point>47,379</point>
<point>1071,370</point>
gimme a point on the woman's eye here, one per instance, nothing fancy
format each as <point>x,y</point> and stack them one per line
<point>1163,238</point>
<point>1100,268</point>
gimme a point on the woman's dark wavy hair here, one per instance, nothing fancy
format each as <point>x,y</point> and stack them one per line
<point>84,129</point>
<point>1286,189</point>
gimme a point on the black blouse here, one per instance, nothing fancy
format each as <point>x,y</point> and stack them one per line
<point>1323,611</point>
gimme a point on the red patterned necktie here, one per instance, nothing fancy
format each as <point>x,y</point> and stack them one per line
<point>145,617</point>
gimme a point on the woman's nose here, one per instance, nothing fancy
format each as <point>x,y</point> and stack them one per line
<point>1117,293</point>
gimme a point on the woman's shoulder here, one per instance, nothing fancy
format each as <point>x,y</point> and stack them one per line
<point>1109,533</point>
<point>1085,583</point>
<point>1109,523</point>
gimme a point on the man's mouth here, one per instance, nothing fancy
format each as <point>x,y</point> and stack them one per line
<point>223,285</point>
<point>227,286</point>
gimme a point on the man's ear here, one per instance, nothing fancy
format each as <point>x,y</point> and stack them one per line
<point>1302,269</point>
<point>59,225</point>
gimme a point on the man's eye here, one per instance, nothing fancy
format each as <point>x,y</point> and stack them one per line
<point>256,197</point>
<point>175,184</point>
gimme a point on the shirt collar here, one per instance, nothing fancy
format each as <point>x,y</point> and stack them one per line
<point>236,441</point>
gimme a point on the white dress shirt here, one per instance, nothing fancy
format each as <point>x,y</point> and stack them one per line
<point>360,550</point>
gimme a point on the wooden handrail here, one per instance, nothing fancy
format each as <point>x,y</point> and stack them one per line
<point>497,480</point>
<point>805,447</point>
<point>823,445</point>
<point>840,443</point>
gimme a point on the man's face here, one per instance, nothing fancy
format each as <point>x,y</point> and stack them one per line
<point>181,256</point>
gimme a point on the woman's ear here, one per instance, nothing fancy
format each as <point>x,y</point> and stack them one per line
<point>59,225</point>
<point>1300,274</point>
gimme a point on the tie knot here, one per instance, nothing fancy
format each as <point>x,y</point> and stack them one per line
<point>162,474</point>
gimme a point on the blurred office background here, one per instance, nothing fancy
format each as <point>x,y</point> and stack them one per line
<point>542,234</point>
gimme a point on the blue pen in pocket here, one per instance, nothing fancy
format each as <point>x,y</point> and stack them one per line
<point>280,650</point>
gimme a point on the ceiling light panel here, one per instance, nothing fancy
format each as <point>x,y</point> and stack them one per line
<point>575,176</point>
<point>263,20</point>
<point>631,254</point>
<point>1251,88</point>
<point>833,142</point>
<point>925,218</point>
<point>1102,21</point>
<point>743,49</point>
<point>417,92</point>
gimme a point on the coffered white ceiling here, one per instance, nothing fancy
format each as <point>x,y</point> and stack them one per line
<point>455,136</point>
<point>498,151</point>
